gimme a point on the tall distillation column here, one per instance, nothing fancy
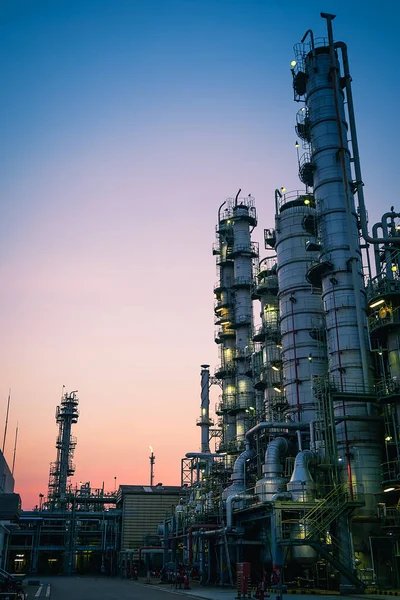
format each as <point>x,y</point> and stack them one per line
<point>66,415</point>
<point>267,361</point>
<point>244,253</point>
<point>316,76</point>
<point>300,305</point>
<point>224,316</point>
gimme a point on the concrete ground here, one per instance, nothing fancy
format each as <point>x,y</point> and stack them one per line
<point>105,588</point>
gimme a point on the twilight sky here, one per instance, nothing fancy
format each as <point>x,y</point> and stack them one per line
<point>123,125</point>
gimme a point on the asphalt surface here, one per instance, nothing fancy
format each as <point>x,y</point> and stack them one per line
<point>104,588</point>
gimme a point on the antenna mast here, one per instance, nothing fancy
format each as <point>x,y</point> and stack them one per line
<point>5,427</point>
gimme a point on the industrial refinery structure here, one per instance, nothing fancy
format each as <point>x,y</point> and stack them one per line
<point>303,482</point>
<point>299,473</point>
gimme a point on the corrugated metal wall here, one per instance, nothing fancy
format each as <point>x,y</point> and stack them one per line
<point>142,512</point>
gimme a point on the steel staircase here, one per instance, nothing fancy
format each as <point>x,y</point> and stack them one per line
<point>316,527</point>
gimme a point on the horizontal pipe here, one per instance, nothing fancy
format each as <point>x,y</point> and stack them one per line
<point>275,425</point>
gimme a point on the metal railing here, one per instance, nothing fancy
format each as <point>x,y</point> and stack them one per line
<point>301,195</point>
<point>303,124</point>
<point>250,248</point>
<point>267,265</point>
<point>204,421</point>
<point>384,317</point>
<point>387,387</point>
<point>390,471</point>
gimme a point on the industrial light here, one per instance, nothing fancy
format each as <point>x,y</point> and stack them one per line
<point>377,303</point>
<point>293,63</point>
<point>388,438</point>
<point>310,357</point>
<point>397,228</point>
<point>389,489</point>
<point>394,268</point>
<point>307,201</point>
<point>297,145</point>
<point>279,346</point>
<point>274,367</point>
<point>340,459</point>
<point>278,389</point>
<point>283,190</point>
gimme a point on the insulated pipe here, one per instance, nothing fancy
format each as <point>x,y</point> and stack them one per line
<point>388,254</point>
<point>238,476</point>
<point>376,250</point>
<point>229,506</point>
<point>356,155</point>
<point>205,455</point>
<point>298,433</point>
<point>275,425</point>
<point>272,463</point>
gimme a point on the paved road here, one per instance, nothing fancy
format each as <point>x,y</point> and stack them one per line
<point>102,588</point>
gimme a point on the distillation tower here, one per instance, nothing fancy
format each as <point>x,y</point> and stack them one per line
<point>236,256</point>
<point>67,414</point>
<point>304,483</point>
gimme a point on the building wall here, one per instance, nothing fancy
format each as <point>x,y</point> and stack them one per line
<point>143,508</point>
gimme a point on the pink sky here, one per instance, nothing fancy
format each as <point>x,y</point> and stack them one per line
<point>124,128</point>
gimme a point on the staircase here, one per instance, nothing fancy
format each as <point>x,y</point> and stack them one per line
<point>316,526</point>
<point>318,520</point>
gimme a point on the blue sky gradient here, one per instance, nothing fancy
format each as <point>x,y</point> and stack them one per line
<point>124,125</point>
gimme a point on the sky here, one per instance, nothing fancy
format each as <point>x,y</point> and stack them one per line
<point>124,124</point>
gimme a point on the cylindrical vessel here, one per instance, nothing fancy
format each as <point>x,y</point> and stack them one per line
<point>300,304</point>
<point>341,277</point>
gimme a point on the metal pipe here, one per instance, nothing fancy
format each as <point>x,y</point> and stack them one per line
<point>190,536</point>
<point>277,194</point>
<point>312,436</point>
<point>298,433</point>
<point>219,212</point>
<point>311,34</point>
<point>229,506</point>
<point>376,249</point>
<point>356,155</point>
<point>275,425</point>
<point>238,476</point>
<point>275,450</point>
<point>237,196</point>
